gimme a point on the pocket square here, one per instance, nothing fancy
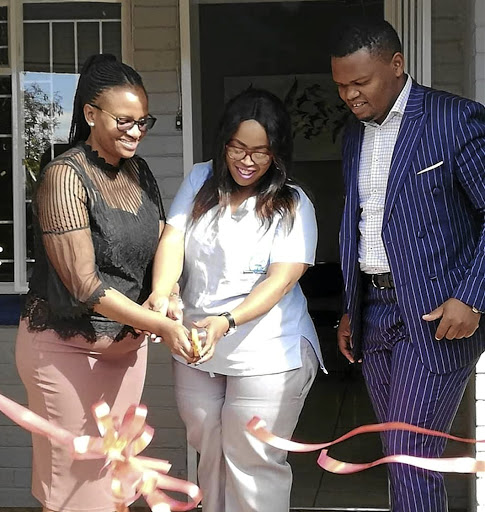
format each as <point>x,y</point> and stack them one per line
<point>430,168</point>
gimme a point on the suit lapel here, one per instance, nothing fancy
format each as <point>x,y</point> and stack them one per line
<point>354,173</point>
<point>410,132</point>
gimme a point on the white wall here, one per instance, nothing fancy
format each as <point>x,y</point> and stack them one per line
<point>447,50</point>
<point>156,57</point>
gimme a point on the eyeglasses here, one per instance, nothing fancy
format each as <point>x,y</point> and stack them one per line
<point>257,156</point>
<point>125,124</point>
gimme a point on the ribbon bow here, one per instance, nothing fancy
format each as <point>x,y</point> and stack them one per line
<point>120,443</point>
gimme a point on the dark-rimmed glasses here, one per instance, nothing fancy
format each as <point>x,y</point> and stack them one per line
<point>125,124</point>
<point>256,155</point>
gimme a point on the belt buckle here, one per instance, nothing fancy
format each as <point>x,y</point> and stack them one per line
<point>374,283</point>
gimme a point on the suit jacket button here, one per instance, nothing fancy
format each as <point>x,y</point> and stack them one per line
<point>420,234</point>
<point>436,191</point>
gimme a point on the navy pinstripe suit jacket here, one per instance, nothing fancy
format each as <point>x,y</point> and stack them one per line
<point>434,220</point>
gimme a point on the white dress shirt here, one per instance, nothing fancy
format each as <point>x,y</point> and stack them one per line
<point>375,162</point>
<point>226,256</point>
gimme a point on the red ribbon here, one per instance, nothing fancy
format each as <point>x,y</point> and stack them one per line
<point>120,443</point>
<point>257,427</point>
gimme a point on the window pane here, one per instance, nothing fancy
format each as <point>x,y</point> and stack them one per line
<point>5,85</point>
<point>112,39</point>
<point>72,10</point>
<point>87,41</point>
<point>5,115</point>
<point>6,184</point>
<point>63,48</point>
<point>36,47</point>
<point>6,272</point>
<point>30,230</point>
<point>3,36</point>
<point>6,241</point>
<point>3,33</point>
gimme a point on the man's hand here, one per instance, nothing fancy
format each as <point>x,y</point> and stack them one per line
<point>343,338</point>
<point>457,320</point>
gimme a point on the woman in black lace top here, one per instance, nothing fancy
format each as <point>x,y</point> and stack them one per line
<point>98,217</point>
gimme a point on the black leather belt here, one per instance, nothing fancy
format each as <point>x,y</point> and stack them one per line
<point>380,281</point>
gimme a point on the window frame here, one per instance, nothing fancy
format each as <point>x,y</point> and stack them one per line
<point>14,70</point>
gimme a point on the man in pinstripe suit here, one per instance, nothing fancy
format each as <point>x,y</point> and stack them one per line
<point>412,247</point>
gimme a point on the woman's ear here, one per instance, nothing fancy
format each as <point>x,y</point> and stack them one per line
<point>88,111</point>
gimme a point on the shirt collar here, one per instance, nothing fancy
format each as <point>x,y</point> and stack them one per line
<point>399,105</point>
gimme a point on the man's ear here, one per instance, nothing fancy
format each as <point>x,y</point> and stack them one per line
<point>397,63</point>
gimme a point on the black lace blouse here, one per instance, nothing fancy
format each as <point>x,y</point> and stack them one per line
<point>96,227</point>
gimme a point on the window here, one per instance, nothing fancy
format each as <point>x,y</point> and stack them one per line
<point>6,157</point>
<point>38,87</point>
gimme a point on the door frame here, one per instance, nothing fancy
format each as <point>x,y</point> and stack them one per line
<point>411,18</point>
<point>415,34</point>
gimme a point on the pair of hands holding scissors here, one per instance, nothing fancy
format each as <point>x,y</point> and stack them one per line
<point>178,338</point>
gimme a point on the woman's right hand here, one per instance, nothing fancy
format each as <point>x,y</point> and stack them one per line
<point>159,303</point>
<point>175,336</point>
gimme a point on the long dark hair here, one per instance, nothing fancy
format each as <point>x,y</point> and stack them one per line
<point>273,190</point>
<point>100,72</point>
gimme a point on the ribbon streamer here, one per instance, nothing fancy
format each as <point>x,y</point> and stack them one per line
<point>257,427</point>
<point>120,443</point>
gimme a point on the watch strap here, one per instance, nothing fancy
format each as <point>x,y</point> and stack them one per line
<point>231,321</point>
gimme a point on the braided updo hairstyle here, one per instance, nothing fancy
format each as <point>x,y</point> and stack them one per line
<point>100,72</point>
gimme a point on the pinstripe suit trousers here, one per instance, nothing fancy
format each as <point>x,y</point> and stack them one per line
<point>403,389</point>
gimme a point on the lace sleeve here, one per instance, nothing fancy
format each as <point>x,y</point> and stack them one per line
<point>61,204</point>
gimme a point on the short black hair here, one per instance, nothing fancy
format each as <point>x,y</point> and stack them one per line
<point>375,35</point>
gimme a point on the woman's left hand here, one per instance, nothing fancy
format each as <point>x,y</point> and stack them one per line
<point>216,327</point>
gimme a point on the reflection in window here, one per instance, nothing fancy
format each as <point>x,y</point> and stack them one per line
<point>48,101</point>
